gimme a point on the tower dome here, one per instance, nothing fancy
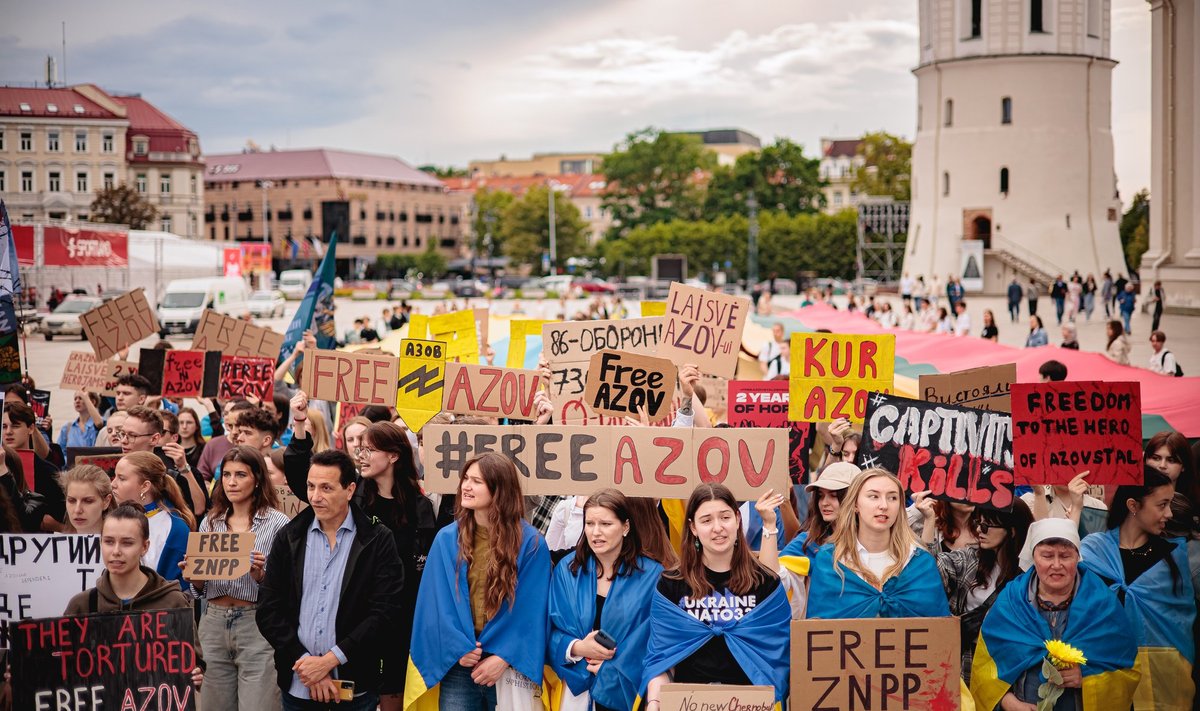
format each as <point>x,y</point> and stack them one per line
<point>1013,160</point>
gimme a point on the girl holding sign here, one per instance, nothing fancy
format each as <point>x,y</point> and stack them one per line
<point>872,566</point>
<point>472,642</point>
<point>1149,573</point>
<point>241,671</point>
<point>721,617</point>
<point>599,609</point>
<point>142,477</point>
<point>89,498</point>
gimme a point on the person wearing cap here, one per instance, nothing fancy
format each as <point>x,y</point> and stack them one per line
<point>825,499</point>
<point>1149,574</point>
<point>1055,599</point>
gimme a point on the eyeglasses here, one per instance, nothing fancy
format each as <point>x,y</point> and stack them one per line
<point>985,526</point>
<point>124,435</point>
<point>364,452</point>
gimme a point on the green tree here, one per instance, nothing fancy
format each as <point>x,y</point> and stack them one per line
<point>780,176</point>
<point>888,167</point>
<point>652,178</point>
<point>431,262</point>
<point>1135,229</point>
<point>525,226</point>
<point>489,218</point>
<point>389,266</point>
<point>448,171</point>
<point>122,205</point>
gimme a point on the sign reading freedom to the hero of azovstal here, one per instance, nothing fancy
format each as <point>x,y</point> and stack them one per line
<point>876,664</point>
<point>956,453</point>
<point>984,388</point>
<point>568,348</point>
<point>704,328</point>
<point>832,374</point>
<point>491,391</point>
<point>1062,429</point>
<point>664,462</point>
<point>119,660</point>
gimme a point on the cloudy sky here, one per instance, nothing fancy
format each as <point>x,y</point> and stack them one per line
<point>447,82</point>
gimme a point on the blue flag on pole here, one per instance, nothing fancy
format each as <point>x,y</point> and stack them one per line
<point>316,310</point>
<point>10,274</point>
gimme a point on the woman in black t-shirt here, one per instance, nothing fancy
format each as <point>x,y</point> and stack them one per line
<point>721,599</point>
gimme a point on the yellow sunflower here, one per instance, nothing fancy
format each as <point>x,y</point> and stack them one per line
<point>1063,655</point>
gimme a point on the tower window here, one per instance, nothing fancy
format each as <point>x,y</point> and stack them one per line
<point>949,118</point>
<point>1093,18</point>
<point>946,183</point>
<point>976,18</point>
<point>1036,23</point>
<point>1006,110</point>
<point>1004,181</point>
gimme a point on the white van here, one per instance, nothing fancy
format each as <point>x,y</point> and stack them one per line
<point>294,283</point>
<point>186,299</point>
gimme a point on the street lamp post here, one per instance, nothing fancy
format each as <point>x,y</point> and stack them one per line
<point>752,246</point>
<point>264,279</point>
<point>553,228</point>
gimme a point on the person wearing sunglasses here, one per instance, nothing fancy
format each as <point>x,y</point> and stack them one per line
<point>974,575</point>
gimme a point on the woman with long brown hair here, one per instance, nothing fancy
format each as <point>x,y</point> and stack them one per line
<point>190,436</point>
<point>142,477</point>
<point>241,669</point>
<point>599,608</point>
<point>470,637</point>
<point>721,617</point>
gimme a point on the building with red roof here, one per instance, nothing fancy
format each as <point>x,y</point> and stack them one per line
<point>839,162</point>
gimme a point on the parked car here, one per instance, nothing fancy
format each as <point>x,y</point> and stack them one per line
<point>594,286</point>
<point>266,304</point>
<point>465,288</point>
<point>401,289</point>
<point>185,301</point>
<point>294,283</point>
<point>64,320</point>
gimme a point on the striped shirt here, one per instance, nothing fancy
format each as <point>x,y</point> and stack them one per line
<point>265,525</point>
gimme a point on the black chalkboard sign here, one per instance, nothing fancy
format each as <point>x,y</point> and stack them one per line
<point>140,660</point>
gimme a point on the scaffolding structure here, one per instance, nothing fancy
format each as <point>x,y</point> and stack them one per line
<point>882,235</point>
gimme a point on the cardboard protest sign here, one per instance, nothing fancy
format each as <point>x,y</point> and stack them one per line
<point>84,371</point>
<point>338,376</point>
<point>715,392</point>
<point>489,391</point>
<point>1062,429</point>
<point>39,572</point>
<point>459,332</point>
<point>482,318</point>
<point>235,337</point>
<point>104,457</point>
<point>662,462</point>
<point>213,555</point>
<point>569,346</point>
<point>876,664</point>
<point>711,697</point>
<point>422,379</point>
<point>119,323</point>
<point>832,373</point>
<point>121,660</point>
<point>704,328</point>
<point>519,330</point>
<point>764,403</point>
<point>985,388</point>
<point>955,453</point>
<point>418,326</point>
<point>289,503</point>
<point>246,376</point>
<point>622,384</point>
<point>175,373</point>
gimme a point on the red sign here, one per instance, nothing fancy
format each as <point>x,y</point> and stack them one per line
<point>75,247</point>
<point>1062,429</point>
<point>764,403</point>
<point>23,237</point>
<point>256,258</point>
<point>243,377</point>
<point>233,261</point>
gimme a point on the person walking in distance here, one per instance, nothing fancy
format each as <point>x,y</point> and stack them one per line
<point>1158,299</point>
<point>1031,295</point>
<point>1015,292</point>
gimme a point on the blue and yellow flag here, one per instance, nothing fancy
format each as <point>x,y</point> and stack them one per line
<point>625,618</point>
<point>1013,638</point>
<point>1161,608</point>
<point>443,630</point>
<point>916,592</point>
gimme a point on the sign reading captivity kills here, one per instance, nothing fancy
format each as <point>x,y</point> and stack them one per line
<point>235,337</point>
<point>338,376</point>
<point>247,376</point>
<point>832,374</point>
<point>120,660</point>
<point>422,378</point>
<point>956,453</point>
<point>876,664</point>
<point>175,373</point>
<point>623,384</point>
<point>39,572</point>
<point>1064,428</point>
<point>490,391</point>
<point>764,403</point>
<point>569,347</point>
<point>661,462</point>
<point>704,328</point>
<point>985,388</point>
<point>218,555</point>
<point>116,324</point>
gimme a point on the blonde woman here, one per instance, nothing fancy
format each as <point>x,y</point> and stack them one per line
<point>872,565</point>
<point>142,477</point>
<point>318,429</point>
<point>89,498</point>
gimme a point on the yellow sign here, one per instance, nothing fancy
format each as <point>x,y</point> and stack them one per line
<point>460,332</point>
<point>518,331</point>
<point>654,308</point>
<point>833,373</point>
<point>418,326</point>
<point>422,377</point>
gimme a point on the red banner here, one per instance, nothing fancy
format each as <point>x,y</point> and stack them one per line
<point>23,237</point>
<point>74,247</point>
<point>256,258</point>
<point>233,261</point>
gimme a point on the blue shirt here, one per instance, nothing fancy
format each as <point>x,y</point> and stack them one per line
<point>321,594</point>
<point>71,436</point>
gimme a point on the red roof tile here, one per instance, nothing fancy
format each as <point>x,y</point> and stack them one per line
<point>65,99</point>
<point>842,148</point>
<point>313,163</point>
<point>145,119</point>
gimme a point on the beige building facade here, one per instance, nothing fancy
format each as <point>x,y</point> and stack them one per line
<point>840,162</point>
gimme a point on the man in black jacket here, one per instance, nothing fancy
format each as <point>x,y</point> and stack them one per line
<point>331,593</point>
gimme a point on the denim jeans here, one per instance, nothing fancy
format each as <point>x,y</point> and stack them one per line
<point>1126,316</point>
<point>241,664</point>
<point>362,702</point>
<point>459,692</point>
